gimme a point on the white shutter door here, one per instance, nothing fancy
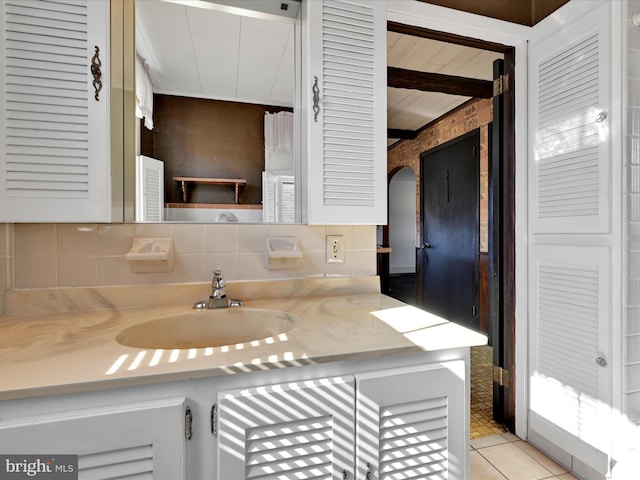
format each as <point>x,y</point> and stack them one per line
<point>142,440</point>
<point>570,232</point>
<point>347,149</point>
<point>269,206</point>
<point>570,394</point>
<point>54,151</point>
<point>569,171</point>
<point>302,430</point>
<point>150,189</point>
<point>405,429</point>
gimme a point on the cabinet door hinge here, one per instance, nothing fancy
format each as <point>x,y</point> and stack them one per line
<point>188,424</point>
<point>500,376</point>
<point>214,420</point>
<point>500,85</point>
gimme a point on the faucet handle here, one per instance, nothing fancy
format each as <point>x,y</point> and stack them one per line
<point>218,278</point>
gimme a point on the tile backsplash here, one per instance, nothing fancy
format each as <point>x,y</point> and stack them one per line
<point>4,262</point>
<point>84,255</point>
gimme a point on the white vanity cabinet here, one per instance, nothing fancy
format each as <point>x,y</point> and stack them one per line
<point>139,439</point>
<point>344,107</point>
<point>407,422</point>
<point>55,163</point>
<point>397,416</point>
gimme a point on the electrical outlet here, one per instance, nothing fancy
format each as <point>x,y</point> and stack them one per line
<point>335,249</point>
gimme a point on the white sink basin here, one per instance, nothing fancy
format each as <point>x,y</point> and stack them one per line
<point>207,328</point>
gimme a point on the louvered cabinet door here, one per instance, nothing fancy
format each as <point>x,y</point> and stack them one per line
<point>344,105</point>
<point>570,349</point>
<point>572,239</point>
<point>570,118</point>
<point>143,440</point>
<point>55,144</point>
<point>299,430</point>
<point>149,189</point>
<point>412,423</point>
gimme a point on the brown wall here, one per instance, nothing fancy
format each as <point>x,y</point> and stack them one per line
<point>208,138</point>
<point>407,153</point>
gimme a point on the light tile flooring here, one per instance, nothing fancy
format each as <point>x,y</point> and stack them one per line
<point>506,457</point>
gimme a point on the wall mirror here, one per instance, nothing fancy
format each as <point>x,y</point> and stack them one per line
<point>215,95</point>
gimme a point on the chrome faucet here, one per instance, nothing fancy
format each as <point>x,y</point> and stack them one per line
<point>218,297</point>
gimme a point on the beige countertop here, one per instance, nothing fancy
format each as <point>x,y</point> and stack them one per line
<point>63,340</point>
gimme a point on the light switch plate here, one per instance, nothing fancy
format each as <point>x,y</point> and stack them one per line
<point>335,249</point>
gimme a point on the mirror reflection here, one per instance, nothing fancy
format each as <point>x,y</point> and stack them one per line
<point>215,97</point>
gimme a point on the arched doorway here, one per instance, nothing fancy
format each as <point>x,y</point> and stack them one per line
<point>402,235</point>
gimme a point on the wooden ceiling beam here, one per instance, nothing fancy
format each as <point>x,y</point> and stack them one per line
<point>436,82</point>
<point>401,134</point>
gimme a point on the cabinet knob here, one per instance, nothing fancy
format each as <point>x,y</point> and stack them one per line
<point>601,362</point>
<point>368,476</point>
<point>426,245</point>
<point>602,116</point>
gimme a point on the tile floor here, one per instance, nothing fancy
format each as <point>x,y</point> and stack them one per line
<point>495,453</point>
<point>482,423</point>
<point>506,457</point>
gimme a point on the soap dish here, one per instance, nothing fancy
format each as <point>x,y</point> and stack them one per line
<point>282,253</point>
<point>150,255</point>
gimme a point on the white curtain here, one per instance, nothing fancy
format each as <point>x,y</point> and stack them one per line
<point>144,93</point>
<point>278,131</point>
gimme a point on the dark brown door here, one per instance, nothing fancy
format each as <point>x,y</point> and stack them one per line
<point>450,223</point>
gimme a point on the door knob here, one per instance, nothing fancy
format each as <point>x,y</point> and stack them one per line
<point>426,245</point>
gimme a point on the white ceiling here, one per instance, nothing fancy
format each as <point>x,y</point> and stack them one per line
<point>209,53</point>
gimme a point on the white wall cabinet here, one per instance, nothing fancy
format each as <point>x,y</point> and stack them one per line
<point>55,158</point>
<point>55,146</point>
<point>396,423</point>
<point>141,440</point>
<point>344,171</point>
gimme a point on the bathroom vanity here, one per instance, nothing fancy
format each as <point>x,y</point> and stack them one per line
<point>351,383</point>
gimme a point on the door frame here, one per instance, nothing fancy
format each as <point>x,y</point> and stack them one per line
<point>509,411</point>
<point>453,22</point>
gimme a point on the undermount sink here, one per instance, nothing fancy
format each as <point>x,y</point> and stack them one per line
<point>207,328</point>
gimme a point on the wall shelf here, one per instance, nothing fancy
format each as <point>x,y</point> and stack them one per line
<point>237,182</point>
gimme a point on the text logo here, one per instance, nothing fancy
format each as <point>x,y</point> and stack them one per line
<point>44,467</point>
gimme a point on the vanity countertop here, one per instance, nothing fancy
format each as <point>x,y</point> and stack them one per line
<point>63,340</point>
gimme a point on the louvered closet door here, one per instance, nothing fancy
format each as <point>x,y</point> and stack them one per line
<point>412,423</point>
<point>346,177</point>
<point>570,238</point>
<point>54,148</point>
<point>149,189</point>
<point>142,440</point>
<point>301,430</point>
